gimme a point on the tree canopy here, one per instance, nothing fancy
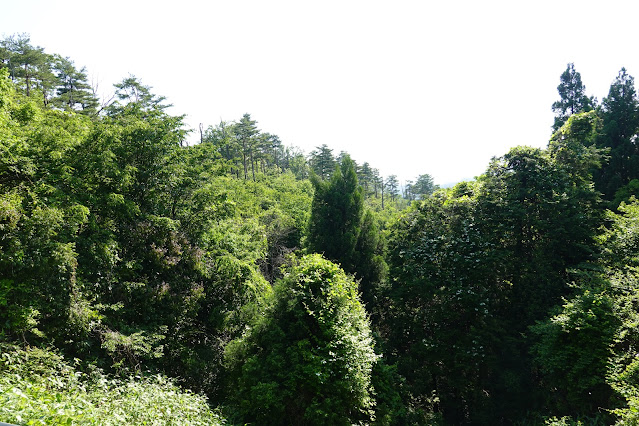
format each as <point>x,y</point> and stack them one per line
<point>146,279</point>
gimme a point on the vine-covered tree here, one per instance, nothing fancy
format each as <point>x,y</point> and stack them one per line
<point>473,267</point>
<point>440,308</point>
<point>308,358</point>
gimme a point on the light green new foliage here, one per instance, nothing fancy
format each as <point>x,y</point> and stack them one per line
<point>621,260</point>
<point>37,387</point>
<point>308,360</point>
<point>573,348</point>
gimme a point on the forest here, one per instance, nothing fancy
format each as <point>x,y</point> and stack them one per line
<point>238,280</point>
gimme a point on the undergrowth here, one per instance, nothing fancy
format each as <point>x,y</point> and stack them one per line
<point>39,387</point>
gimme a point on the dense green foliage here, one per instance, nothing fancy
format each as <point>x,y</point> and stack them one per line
<point>308,359</point>
<point>343,231</point>
<point>294,289</point>
<point>472,268</point>
<point>38,387</point>
<point>50,80</point>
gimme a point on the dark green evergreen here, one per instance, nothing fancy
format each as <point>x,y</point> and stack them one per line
<point>336,216</point>
<point>322,161</point>
<point>340,229</point>
<point>73,91</point>
<point>620,115</point>
<point>423,186</point>
<point>573,99</point>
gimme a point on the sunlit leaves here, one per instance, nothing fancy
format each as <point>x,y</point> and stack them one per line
<point>309,358</point>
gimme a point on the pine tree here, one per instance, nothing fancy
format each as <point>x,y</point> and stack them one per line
<point>424,186</point>
<point>28,65</point>
<point>74,92</point>
<point>392,185</point>
<point>365,177</point>
<point>246,131</point>
<point>322,161</point>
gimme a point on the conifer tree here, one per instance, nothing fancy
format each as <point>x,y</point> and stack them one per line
<point>74,92</point>
<point>572,97</point>
<point>245,131</point>
<point>392,186</point>
<point>424,186</point>
<point>620,115</point>
<point>341,230</point>
<point>322,161</point>
<point>336,216</point>
<point>365,176</point>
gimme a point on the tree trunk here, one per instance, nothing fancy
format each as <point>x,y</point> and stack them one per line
<point>26,74</point>
<point>244,159</point>
<point>252,164</point>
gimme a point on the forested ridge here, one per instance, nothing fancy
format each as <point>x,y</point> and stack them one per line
<point>239,280</point>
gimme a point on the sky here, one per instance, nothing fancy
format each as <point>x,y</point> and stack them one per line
<point>412,87</point>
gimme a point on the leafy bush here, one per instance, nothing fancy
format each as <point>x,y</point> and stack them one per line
<point>38,387</point>
<point>308,360</point>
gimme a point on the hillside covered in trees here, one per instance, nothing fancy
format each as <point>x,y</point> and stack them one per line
<point>241,281</point>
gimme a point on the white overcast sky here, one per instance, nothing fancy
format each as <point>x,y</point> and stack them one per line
<point>412,87</point>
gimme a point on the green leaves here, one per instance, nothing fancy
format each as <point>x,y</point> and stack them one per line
<point>620,117</point>
<point>38,387</point>
<point>473,267</point>
<point>309,358</point>
<point>573,350</point>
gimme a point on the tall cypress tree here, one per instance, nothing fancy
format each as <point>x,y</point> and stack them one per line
<point>341,230</point>
<point>620,115</point>
<point>336,215</point>
<point>572,97</point>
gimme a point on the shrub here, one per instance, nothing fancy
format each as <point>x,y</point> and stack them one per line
<point>38,387</point>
